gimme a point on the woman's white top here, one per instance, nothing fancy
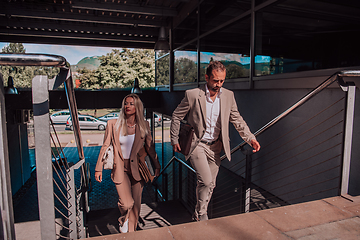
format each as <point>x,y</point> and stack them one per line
<point>126,143</point>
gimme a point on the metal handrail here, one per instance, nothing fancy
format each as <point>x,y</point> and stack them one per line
<point>174,158</point>
<point>31,59</point>
<point>49,60</point>
<point>330,80</point>
<point>65,77</point>
<point>159,192</point>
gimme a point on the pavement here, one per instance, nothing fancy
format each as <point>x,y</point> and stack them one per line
<point>330,218</point>
<point>95,138</point>
<point>88,139</point>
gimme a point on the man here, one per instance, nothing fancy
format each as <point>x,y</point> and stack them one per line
<point>210,108</point>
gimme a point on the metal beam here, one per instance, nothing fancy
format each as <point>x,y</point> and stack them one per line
<point>60,35</point>
<point>235,19</point>
<point>76,41</point>
<point>113,7</point>
<point>84,18</point>
<point>185,11</point>
<point>31,25</point>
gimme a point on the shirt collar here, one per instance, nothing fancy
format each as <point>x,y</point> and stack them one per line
<point>208,92</point>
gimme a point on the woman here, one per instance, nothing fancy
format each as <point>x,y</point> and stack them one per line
<point>128,134</point>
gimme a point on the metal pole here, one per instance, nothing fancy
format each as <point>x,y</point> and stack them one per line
<point>44,169</point>
<point>7,229</point>
<point>156,62</point>
<point>162,140</point>
<point>198,47</point>
<point>180,181</point>
<point>248,154</point>
<point>72,203</point>
<point>174,181</point>
<point>166,195</point>
<point>171,61</point>
<point>349,122</point>
<point>252,45</point>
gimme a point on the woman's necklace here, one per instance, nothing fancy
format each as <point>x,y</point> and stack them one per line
<point>132,125</point>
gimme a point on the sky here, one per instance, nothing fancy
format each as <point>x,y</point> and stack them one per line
<point>72,54</point>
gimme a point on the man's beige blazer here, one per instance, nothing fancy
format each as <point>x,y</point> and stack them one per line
<point>194,106</point>
<point>112,136</point>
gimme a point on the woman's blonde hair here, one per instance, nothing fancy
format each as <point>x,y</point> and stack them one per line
<point>139,116</point>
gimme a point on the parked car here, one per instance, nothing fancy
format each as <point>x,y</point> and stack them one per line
<point>60,117</point>
<point>107,117</point>
<point>157,120</point>
<point>87,122</point>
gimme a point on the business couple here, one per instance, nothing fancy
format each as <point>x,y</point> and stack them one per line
<point>209,108</point>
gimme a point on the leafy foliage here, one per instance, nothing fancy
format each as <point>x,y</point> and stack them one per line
<point>162,71</point>
<point>118,69</point>
<point>185,70</point>
<point>23,75</point>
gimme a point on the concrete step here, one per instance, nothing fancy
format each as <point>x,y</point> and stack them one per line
<point>331,218</point>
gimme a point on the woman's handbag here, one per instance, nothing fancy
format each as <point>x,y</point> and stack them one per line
<point>108,158</point>
<point>186,135</point>
<point>146,167</point>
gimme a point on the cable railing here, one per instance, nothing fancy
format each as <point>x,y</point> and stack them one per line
<point>305,161</point>
<point>62,206</point>
<point>304,157</point>
<point>63,191</point>
<point>177,180</point>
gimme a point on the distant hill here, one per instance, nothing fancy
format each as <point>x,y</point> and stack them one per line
<point>91,63</point>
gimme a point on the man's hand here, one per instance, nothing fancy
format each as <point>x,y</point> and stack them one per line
<point>157,172</point>
<point>256,145</point>
<point>98,176</point>
<point>177,147</point>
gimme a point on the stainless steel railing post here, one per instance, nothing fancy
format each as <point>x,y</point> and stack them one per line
<point>6,204</point>
<point>248,154</point>
<point>349,122</point>
<point>44,170</point>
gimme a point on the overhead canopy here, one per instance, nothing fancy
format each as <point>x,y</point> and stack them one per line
<point>136,23</point>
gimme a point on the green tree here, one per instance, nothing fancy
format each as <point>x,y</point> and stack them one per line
<point>88,79</point>
<point>162,71</point>
<point>185,70</point>
<point>235,71</point>
<point>23,75</point>
<point>14,48</point>
<point>118,69</point>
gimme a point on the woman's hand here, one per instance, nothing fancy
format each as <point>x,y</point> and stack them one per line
<point>157,172</point>
<point>98,176</point>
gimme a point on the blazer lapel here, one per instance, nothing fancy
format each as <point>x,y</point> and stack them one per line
<point>223,108</point>
<point>137,141</point>
<point>116,141</point>
<point>202,101</point>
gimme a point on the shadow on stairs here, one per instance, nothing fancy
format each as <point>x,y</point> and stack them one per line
<point>152,215</point>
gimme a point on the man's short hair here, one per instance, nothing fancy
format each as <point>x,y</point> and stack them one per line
<point>214,65</point>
